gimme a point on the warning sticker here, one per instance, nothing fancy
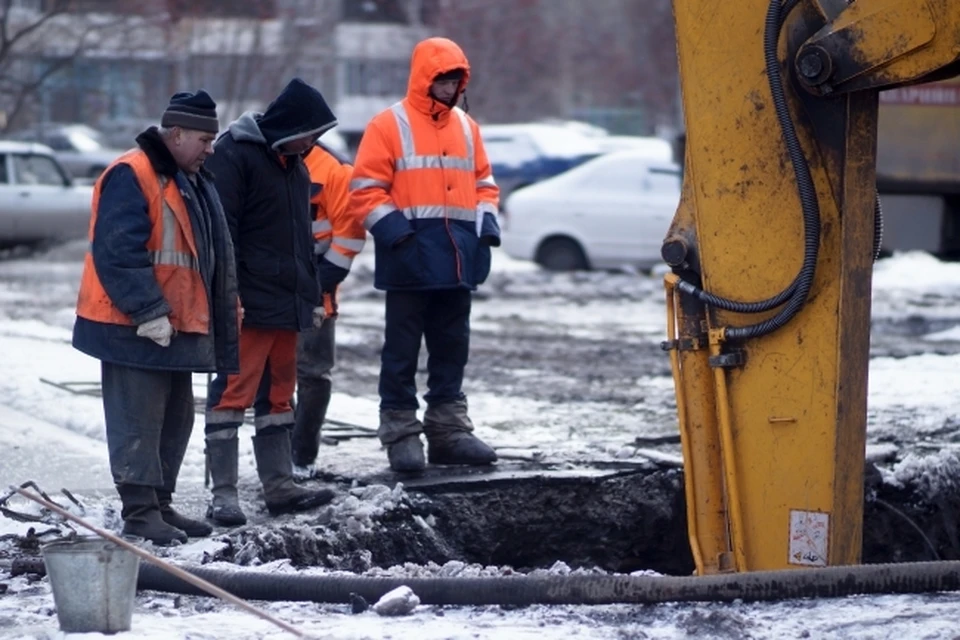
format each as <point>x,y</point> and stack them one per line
<point>809,535</point>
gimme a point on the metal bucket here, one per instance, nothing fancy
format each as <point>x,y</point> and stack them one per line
<point>94,584</point>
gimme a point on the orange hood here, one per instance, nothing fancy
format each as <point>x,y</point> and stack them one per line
<point>431,57</point>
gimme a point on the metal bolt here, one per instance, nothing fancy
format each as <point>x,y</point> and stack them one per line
<point>811,65</point>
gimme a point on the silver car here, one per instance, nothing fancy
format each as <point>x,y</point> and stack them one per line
<point>82,151</point>
<point>39,202</point>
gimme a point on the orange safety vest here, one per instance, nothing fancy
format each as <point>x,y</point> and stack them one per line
<point>172,250</point>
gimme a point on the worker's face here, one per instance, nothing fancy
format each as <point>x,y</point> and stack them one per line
<point>298,146</point>
<point>444,90</point>
<point>191,148</point>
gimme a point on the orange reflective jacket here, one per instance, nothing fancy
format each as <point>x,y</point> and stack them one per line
<point>338,237</point>
<point>425,161</point>
<point>171,248</point>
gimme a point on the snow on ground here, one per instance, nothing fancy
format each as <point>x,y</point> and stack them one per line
<point>56,438</point>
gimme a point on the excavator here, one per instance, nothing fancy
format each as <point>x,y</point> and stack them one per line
<point>771,256</point>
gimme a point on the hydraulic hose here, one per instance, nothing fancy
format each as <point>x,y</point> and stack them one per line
<point>796,293</point>
<point>827,582</point>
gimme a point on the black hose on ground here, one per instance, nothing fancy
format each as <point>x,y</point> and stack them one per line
<point>920,577</point>
<point>828,582</point>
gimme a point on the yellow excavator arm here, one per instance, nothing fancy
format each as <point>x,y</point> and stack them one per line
<point>771,251</point>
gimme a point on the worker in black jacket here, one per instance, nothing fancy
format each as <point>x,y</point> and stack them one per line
<point>265,190</point>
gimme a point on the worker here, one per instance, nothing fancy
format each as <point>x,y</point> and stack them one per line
<point>158,301</point>
<point>338,238</point>
<point>265,190</point>
<point>423,187</point>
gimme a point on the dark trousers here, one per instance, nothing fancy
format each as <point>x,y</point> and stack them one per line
<point>149,416</point>
<point>442,319</point>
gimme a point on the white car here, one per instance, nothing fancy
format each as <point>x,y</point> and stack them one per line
<point>38,200</point>
<point>606,213</point>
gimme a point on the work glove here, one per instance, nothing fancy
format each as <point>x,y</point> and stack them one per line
<point>159,330</point>
<point>319,315</point>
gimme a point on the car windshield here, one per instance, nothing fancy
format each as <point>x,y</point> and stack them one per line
<point>85,140</point>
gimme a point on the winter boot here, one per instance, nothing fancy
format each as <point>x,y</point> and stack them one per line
<point>142,518</point>
<point>191,527</point>
<point>282,495</point>
<point>400,432</point>
<point>450,439</point>
<point>313,398</point>
<point>222,462</point>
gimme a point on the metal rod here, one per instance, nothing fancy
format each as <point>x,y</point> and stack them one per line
<point>200,583</point>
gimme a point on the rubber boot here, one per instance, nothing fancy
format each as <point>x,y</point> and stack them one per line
<point>313,398</point>
<point>142,518</point>
<point>450,439</point>
<point>281,493</point>
<point>222,462</point>
<point>191,527</point>
<point>400,432</point>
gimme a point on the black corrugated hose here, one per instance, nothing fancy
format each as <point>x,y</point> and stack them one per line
<point>829,582</point>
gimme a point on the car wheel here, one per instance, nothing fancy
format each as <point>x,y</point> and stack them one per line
<point>562,254</point>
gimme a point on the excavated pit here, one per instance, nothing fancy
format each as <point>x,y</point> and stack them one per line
<point>616,521</point>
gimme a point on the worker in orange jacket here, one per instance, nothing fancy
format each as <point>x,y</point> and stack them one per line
<point>423,187</point>
<point>338,238</point>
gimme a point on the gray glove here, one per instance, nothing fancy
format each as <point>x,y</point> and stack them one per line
<point>319,315</point>
<point>159,330</point>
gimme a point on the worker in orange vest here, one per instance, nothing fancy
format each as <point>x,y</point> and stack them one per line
<point>158,301</point>
<point>337,239</point>
<point>423,187</point>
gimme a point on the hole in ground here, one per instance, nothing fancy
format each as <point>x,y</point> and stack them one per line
<point>616,521</point>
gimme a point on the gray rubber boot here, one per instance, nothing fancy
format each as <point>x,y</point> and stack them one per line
<point>450,439</point>
<point>400,433</point>
<point>275,469</point>
<point>193,528</point>
<point>141,516</point>
<point>222,462</point>
<point>313,398</point>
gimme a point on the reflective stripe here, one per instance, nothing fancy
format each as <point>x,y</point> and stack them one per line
<point>338,259</point>
<point>467,133</point>
<point>378,214</point>
<point>350,244</point>
<point>221,416</point>
<point>408,154</point>
<point>421,212</point>
<point>319,226</point>
<point>168,254</point>
<point>486,207</point>
<point>272,419</point>
<point>487,182</point>
<point>406,133</point>
<point>320,247</point>
<point>366,183</point>
<point>433,162</point>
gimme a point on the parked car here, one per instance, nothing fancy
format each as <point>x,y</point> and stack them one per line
<point>81,150</point>
<point>606,213</point>
<point>38,200</point>
<point>524,154</point>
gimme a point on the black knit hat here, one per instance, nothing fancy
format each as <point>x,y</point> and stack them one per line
<point>195,111</point>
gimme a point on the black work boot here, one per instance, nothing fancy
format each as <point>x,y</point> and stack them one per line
<point>142,518</point>
<point>313,398</point>
<point>191,527</point>
<point>450,439</point>
<point>281,493</point>
<point>222,463</point>
<point>400,432</point>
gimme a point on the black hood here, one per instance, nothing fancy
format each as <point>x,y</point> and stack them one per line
<point>298,111</point>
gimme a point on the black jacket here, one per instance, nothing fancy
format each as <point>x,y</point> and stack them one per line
<point>266,199</point>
